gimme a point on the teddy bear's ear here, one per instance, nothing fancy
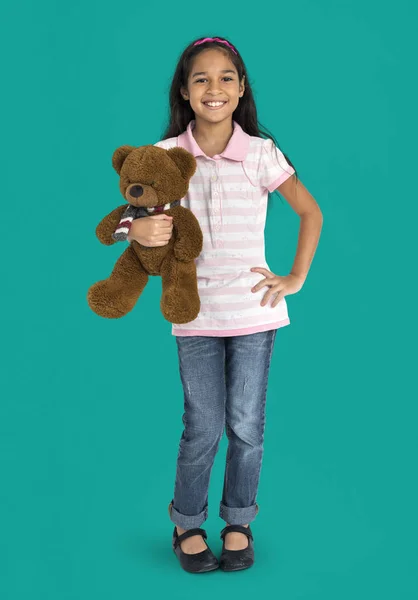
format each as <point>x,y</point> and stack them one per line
<point>185,161</point>
<point>119,157</point>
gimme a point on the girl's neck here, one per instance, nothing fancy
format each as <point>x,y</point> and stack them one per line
<point>212,138</point>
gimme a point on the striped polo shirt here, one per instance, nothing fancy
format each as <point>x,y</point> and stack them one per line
<point>228,195</point>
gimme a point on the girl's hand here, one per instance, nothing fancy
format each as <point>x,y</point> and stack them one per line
<point>152,231</point>
<point>282,286</point>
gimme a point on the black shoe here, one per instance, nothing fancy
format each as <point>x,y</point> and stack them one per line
<point>236,560</point>
<point>194,563</point>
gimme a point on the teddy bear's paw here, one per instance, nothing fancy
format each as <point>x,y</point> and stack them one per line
<point>108,301</point>
<point>179,317</point>
<point>178,309</point>
<point>183,252</point>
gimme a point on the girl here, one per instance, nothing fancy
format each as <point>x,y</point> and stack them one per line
<point>225,353</point>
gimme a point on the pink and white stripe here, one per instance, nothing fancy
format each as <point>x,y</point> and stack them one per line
<point>228,195</point>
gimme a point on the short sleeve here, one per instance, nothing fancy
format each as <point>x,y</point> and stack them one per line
<point>273,168</point>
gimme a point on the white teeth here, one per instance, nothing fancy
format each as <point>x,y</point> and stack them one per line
<point>214,103</point>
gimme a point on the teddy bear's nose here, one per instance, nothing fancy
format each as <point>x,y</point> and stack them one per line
<point>136,191</point>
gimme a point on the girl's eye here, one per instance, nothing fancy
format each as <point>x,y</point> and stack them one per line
<point>198,80</point>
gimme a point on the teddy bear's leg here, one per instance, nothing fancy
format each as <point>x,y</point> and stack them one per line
<point>180,301</point>
<point>115,296</point>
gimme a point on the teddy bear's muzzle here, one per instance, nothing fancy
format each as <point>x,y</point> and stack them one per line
<point>141,195</point>
<point>136,191</point>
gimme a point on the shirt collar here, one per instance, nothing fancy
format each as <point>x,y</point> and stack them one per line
<point>236,149</point>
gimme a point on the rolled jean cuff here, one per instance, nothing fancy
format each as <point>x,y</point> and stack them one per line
<point>238,516</point>
<point>187,521</point>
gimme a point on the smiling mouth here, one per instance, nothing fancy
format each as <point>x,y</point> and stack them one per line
<point>216,106</point>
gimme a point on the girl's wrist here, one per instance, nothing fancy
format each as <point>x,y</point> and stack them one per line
<point>298,276</point>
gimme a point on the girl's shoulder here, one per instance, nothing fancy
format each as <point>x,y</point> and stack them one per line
<point>257,148</point>
<point>167,143</point>
<point>261,145</point>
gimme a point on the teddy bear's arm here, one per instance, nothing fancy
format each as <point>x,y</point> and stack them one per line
<point>189,237</point>
<point>108,225</point>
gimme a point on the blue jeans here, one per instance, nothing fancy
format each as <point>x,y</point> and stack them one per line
<point>225,387</point>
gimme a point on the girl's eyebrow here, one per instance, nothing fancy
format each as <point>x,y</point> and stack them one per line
<point>204,72</point>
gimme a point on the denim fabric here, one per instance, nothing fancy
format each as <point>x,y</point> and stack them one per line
<point>225,386</point>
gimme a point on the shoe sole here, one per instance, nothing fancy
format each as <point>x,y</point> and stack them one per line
<point>204,571</point>
<point>236,569</point>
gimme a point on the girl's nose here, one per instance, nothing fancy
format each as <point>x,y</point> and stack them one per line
<point>213,87</point>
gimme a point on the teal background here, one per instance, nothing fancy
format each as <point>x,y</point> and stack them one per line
<point>89,425</point>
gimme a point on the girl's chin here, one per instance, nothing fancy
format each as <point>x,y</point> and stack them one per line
<point>211,114</point>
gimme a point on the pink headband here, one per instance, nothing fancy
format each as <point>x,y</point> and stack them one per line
<point>216,40</point>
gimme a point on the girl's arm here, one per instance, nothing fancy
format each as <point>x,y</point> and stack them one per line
<point>311,219</point>
<point>151,231</point>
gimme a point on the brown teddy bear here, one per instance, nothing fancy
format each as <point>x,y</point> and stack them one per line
<point>152,180</point>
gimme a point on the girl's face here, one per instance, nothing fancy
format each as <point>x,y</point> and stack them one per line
<point>213,78</point>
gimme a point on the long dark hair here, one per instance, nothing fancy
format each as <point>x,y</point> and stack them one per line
<point>180,111</point>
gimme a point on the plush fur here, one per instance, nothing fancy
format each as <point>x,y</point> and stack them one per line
<point>163,177</point>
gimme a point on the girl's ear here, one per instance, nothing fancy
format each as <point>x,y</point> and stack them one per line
<point>184,93</point>
<point>242,86</point>
<point>184,161</point>
<point>119,157</point>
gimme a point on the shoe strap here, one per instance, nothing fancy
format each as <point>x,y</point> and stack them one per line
<point>238,528</point>
<point>180,538</point>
